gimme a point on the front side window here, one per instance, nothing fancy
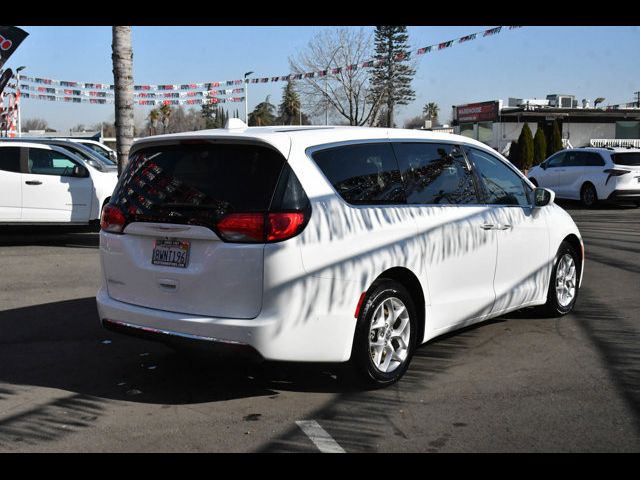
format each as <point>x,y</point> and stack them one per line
<point>502,186</point>
<point>10,159</point>
<point>435,174</point>
<point>556,161</point>
<point>50,162</point>
<point>363,174</point>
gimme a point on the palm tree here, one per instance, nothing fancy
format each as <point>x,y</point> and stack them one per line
<point>431,111</point>
<point>153,117</point>
<point>165,113</point>
<point>122,58</point>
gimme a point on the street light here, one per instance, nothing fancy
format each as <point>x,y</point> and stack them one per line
<point>246,98</point>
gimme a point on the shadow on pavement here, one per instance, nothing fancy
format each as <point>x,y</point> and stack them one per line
<point>54,236</point>
<point>61,345</point>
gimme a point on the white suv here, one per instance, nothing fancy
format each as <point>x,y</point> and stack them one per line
<point>46,184</point>
<point>327,244</point>
<point>591,174</point>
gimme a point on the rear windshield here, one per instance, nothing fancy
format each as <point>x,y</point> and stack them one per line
<point>198,183</point>
<point>631,158</point>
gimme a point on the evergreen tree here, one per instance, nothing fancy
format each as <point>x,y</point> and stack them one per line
<point>263,114</point>
<point>556,139</point>
<point>391,75</point>
<point>289,110</point>
<point>539,146</point>
<point>525,147</point>
<point>514,154</point>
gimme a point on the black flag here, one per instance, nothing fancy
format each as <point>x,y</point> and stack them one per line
<point>4,78</point>
<point>10,39</point>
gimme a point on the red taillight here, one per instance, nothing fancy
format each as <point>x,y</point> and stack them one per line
<point>283,225</point>
<point>112,219</point>
<point>260,227</point>
<point>242,227</point>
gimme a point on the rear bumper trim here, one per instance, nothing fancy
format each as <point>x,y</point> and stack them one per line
<point>624,195</point>
<point>124,327</point>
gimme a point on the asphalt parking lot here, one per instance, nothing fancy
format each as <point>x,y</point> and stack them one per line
<point>514,384</point>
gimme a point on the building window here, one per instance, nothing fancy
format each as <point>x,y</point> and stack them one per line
<point>627,130</point>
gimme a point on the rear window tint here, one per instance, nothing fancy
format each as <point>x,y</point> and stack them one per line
<point>363,174</point>
<point>198,183</point>
<point>631,158</point>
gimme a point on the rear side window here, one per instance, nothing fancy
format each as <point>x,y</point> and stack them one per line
<point>591,159</point>
<point>631,158</point>
<point>435,174</point>
<point>363,174</point>
<point>10,159</point>
<point>198,183</point>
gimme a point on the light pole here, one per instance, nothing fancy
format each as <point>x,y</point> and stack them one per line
<point>246,98</point>
<point>18,70</point>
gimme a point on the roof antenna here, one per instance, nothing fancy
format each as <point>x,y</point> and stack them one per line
<point>235,124</point>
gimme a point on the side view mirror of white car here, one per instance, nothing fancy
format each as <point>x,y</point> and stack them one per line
<point>543,196</point>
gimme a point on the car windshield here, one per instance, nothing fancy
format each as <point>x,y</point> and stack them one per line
<point>627,158</point>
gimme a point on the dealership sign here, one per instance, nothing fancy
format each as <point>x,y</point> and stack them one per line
<point>477,112</point>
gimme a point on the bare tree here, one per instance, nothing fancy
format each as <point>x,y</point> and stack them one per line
<point>122,58</point>
<point>35,124</point>
<point>344,90</point>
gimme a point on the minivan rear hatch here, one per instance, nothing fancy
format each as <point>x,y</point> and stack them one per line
<point>170,200</point>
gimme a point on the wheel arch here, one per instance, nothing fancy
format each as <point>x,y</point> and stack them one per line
<point>573,240</point>
<point>410,281</point>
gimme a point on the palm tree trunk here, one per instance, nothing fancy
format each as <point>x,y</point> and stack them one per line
<point>122,57</point>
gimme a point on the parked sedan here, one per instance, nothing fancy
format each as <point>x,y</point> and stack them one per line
<point>591,174</point>
<point>327,244</point>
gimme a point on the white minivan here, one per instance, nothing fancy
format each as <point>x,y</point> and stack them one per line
<point>591,174</point>
<point>327,244</point>
<point>46,184</point>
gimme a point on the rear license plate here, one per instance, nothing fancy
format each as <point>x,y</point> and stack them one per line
<point>171,252</point>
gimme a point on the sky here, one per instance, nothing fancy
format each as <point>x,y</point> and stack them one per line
<point>529,62</point>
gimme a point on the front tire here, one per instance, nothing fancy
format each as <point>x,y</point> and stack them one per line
<point>386,332</point>
<point>563,286</point>
<point>588,195</point>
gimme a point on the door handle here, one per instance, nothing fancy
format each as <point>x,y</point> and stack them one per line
<point>33,182</point>
<point>504,227</point>
<point>487,226</point>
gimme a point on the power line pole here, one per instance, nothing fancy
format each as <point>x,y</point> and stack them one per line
<point>638,102</point>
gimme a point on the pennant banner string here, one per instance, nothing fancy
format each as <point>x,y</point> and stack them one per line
<point>151,93</point>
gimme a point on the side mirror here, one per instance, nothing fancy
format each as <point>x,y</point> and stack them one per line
<point>80,171</point>
<point>543,165</point>
<point>543,197</point>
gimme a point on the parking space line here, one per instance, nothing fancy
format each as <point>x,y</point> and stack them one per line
<point>319,436</point>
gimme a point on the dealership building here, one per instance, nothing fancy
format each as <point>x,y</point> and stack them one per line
<point>497,125</point>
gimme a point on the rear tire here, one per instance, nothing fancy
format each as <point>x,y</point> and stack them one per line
<point>588,195</point>
<point>385,336</point>
<point>563,285</point>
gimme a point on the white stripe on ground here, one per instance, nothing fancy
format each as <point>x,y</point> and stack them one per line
<point>320,438</point>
